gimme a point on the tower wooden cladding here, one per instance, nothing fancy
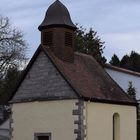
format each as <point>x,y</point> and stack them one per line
<point>58,32</point>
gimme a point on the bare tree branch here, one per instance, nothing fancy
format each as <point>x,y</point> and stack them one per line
<point>12,46</point>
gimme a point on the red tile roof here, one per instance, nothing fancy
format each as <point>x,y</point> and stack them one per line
<point>90,80</point>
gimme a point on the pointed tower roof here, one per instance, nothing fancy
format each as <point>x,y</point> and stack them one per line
<point>57,15</point>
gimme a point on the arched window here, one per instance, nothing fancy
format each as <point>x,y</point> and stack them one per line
<point>116,126</point>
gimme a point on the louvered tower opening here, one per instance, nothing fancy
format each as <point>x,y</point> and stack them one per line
<point>68,39</point>
<point>48,38</point>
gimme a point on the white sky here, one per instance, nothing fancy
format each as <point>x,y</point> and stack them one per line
<point>116,21</point>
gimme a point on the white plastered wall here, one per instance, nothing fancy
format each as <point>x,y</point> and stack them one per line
<point>53,117</point>
<point>99,119</point>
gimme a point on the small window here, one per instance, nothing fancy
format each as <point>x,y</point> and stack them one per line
<point>42,136</point>
<point>68,39</point>
<point>116,126</point>
<point>48,38</point>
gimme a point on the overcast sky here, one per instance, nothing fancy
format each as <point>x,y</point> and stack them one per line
<point>116,21</point>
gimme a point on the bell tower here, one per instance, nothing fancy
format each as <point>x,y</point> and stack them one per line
<point>58,32</point>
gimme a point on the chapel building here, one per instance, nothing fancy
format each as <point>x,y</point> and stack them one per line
<point>66,95</point>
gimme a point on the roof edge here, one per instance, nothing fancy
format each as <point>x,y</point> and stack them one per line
<point>110,101</point>
<point>42,27</point>
<point>83,98</point>
<point>122,70</point>
<point>41,99</point>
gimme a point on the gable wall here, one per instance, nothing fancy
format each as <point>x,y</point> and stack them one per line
<point>43,81</point>
<point>53,117</point>
<point>99,121</point>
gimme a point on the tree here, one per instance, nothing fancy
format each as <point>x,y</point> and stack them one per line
<point>125,62</point>
<point>134,61</point>
<point>130,62</point>
<point>12,46</point>
<point>115,60</point>
<point>90,43</point>
<point>131,91</point>
<point>9,84</point>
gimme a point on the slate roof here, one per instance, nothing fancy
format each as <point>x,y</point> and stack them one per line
<point>87,78</point>
<point>57,15</point>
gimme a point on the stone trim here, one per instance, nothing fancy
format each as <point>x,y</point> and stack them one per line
<point>42,134</point>
<point>79,112</point>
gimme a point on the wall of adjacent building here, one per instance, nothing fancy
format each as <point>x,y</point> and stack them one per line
<point>5,128</point>
<point>99,121</point>
<point>53,117</point>
<point>123,79</point>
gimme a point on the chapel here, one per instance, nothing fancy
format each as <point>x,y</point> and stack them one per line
<point>66,95</point>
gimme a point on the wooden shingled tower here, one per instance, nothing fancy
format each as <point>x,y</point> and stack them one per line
<point>58,31</point>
